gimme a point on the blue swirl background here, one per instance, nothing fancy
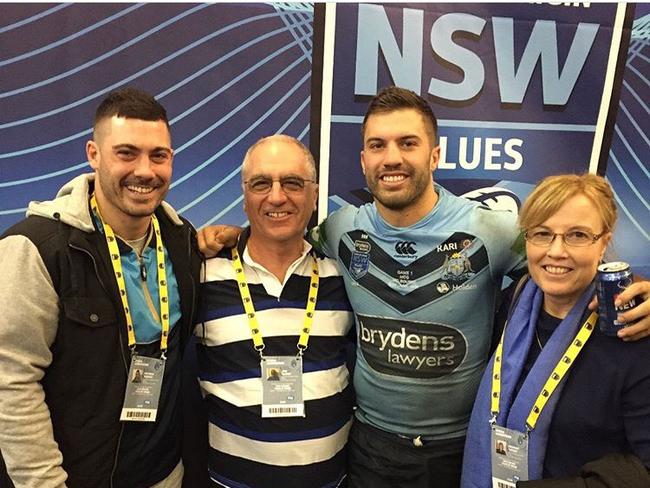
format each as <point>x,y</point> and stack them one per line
<point>628,167</point>
<point>227,74</point>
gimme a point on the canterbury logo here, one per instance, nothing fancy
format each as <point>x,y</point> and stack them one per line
<point>405,247</point>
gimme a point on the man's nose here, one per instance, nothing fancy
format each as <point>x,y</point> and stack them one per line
<point>393,154</point>
<point>277,194</point>
<point>143,167</point>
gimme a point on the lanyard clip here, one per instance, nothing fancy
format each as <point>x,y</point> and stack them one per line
<point>528,430</point>
<point>301,351</point>
<point>493,419</point>
<point>259,349</point>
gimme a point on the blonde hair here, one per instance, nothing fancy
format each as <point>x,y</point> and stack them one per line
<point>553,191</point>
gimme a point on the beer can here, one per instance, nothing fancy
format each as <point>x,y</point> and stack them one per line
<point>613,278</point>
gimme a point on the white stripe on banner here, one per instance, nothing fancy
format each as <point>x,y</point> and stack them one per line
<point>326,108</point>
<point>245,393</point>
<point>297,453</point>
<point>617,33</point>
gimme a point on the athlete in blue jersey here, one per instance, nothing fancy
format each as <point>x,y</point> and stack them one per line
<point>422,269</point>
<point>419,341</point>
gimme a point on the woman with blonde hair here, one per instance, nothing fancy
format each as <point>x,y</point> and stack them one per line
<point>571,403</point>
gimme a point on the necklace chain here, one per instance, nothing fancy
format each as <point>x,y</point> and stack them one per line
<point>539,343</point>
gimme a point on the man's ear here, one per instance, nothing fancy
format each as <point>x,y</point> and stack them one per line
<point>363,164</point>
<point>92,153</point>
<point>315,196</point>
<point>434,158</point>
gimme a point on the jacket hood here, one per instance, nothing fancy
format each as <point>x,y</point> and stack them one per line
<point>70,205</point>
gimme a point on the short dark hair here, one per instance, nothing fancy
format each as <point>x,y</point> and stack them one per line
<point>393,98</point>
<point>130,103</point>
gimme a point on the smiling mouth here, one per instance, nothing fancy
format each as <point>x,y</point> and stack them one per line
<point>556,270</point>
<point>142,190</point>
<point>393,178</point>
<point>277,215</point>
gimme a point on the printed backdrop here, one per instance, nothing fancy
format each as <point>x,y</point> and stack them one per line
<point>227,74</point>
<point>628,166</point>
<point>518,90</point>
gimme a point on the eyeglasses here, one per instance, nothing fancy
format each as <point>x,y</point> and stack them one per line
<point>290,184</point>
<point>573,238</point>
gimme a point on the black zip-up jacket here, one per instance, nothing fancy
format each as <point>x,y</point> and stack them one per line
<point>84,368</point>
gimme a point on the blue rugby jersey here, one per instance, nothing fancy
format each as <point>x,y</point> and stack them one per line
<point>424,299</point>
<point>247,450</point>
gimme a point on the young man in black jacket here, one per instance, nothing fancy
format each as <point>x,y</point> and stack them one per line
<point>97,283</point>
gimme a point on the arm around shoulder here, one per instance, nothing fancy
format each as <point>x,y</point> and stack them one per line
<point>325,236</point>
<point>213,238</point>
<point>28,326</point>
<point>504,242</point>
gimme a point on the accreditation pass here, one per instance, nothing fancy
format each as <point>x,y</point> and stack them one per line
<point>282,386</point>
<point>143,387</point>
<point>509,455</point>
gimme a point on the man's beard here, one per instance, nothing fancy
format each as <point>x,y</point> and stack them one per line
<point>401,199</point>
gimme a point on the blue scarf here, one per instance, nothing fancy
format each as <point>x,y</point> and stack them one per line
<point>514,409</point>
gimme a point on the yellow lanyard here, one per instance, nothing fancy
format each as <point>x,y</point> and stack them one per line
<point>561,369</point>
<point>119,277</point>
<point>247,301</point>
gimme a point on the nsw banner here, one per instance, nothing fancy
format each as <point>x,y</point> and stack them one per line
<point>520,90</point>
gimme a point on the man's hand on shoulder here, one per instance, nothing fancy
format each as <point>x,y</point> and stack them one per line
<point>213,238</point>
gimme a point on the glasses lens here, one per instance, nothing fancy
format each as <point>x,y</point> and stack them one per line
<point>540,237</point>
<point>578,238</point>
<point>260,185</point>
<point>292,184</point>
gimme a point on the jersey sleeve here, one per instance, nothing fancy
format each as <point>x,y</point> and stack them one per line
<point>326,236</point>
<point>504,241</point>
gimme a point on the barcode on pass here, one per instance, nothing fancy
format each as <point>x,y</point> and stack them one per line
<point>283,410</point>
<point>504,485</point>
<point>138,415</point>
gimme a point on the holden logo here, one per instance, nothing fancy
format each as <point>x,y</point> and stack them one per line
<point>405,248</point>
